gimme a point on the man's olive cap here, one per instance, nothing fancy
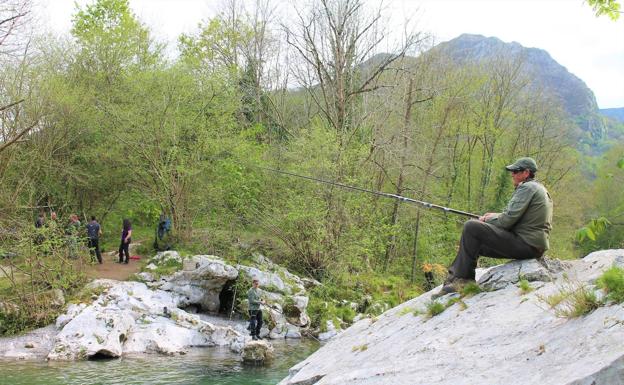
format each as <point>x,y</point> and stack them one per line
<point>523,164</point>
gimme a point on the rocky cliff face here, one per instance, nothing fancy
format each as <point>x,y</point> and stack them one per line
<point>545,73</point>
<point>504,335</point>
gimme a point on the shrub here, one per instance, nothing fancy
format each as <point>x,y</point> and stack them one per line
<point>434,308</point>
<point>167,267</point>
<point>612,282</point>
<point>573,301</point>
<point>405,310</point>
<point>525,286</point>
<point>470,289</point>
<point>52,260</point>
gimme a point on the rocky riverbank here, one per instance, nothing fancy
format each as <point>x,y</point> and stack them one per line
<point>515,332</point>
<point>158,313</point>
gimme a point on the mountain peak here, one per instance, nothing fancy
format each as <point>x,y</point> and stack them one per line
<point>543,71</point>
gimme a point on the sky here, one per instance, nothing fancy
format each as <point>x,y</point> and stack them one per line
<point>590,47</point>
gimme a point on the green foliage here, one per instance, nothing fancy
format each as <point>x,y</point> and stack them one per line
<point>456,300</point>
<point>48,259</point>
<point>594,228</point>
<point>126,133</point>
<point>525,286</point>
<point>111,37</point>
<point>86,295</point>
<point>470,289</point>
<point>573,300</point>
<point>289,308</point>
<point>167,267</point>
<point>434,308</point>
<point>611,8</point>
<point>612,282</point>
<point>405,310</point>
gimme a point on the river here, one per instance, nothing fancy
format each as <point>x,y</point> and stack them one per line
<point>214,366</point>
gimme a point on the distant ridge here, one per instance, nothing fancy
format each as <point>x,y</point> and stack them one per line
<point>577,99</point>
<point>614,113</point>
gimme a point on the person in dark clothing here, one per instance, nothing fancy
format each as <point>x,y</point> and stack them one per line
<point>94,231</point>
<point>255,313</point>
<point>73,234</point>
<point>521,231</point>
<point>40,220</point>
<point>126,234</point>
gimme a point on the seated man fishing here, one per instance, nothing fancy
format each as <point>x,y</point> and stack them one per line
<point>521,231</point>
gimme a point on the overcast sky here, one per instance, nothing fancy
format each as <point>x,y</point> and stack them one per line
<point>589,47</point>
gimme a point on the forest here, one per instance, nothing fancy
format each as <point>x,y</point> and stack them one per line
<point>114,123</point>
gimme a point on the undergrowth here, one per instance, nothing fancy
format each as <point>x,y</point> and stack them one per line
<point>612,282</point>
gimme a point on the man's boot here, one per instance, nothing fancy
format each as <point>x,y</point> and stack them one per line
<point>454,285</point>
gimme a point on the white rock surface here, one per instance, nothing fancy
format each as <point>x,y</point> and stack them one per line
<point>258,352</point>
<point>502,337</point>
<point>33,345</point>
<point>202,285</point>
<point>128,318</point>
<point>330,333</point>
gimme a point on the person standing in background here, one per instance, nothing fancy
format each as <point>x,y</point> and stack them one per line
<point>126,234</point>
<point>73,233</point>
<point>40,220</point>
<point>94,231</point>
<point>254,295</point>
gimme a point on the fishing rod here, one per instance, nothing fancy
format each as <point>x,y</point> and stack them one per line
<point>387,195</point>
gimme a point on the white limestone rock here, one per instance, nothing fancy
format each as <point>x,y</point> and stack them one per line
<point>130,318</point>
<point>95,331</point>
<point>166,256</point>
<point>33,345</point>
<point>501,337</point>
<point>498,277</point>
<point>202,285</point>
<point>331,332</point>
<point>145,277</point>
<point>257,352</point>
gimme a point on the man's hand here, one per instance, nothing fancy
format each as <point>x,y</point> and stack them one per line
<point>486,216</point>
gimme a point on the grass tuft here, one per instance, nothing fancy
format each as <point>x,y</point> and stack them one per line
<point>434,308</point>
<point>612,282</point>
<point>525,286</point>
<point>573,301</point>
<point>470,289</point>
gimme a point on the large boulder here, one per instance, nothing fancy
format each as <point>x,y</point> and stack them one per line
<point>505,336</point>
<point>500,276</point>
<point>202,285</point>
<point>257,352</point>
<point>127,318</point>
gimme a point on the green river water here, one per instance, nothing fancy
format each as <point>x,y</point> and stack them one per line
<point>214,366</point>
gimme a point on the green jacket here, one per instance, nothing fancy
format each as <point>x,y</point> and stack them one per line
<point>253,295</point>
<point>528,214</point>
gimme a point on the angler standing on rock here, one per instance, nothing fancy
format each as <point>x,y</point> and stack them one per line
<point>521,231</point>
<point>255,314</point>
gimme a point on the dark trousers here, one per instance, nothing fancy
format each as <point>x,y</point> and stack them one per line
<point>255,322</point>
<point>94,248</point>
<point>483,239</point>
<point>123,248</point>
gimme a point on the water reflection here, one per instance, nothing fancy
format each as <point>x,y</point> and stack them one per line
<point>214,366</point>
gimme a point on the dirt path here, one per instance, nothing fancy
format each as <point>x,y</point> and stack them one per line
<point>111,269</point>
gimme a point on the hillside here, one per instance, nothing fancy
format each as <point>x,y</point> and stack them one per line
<point>614,113</point>
<point>545,73</point>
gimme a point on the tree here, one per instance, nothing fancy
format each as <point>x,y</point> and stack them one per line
<point>112,39</point>
<point>611,8</point>
<point>338,42</point>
